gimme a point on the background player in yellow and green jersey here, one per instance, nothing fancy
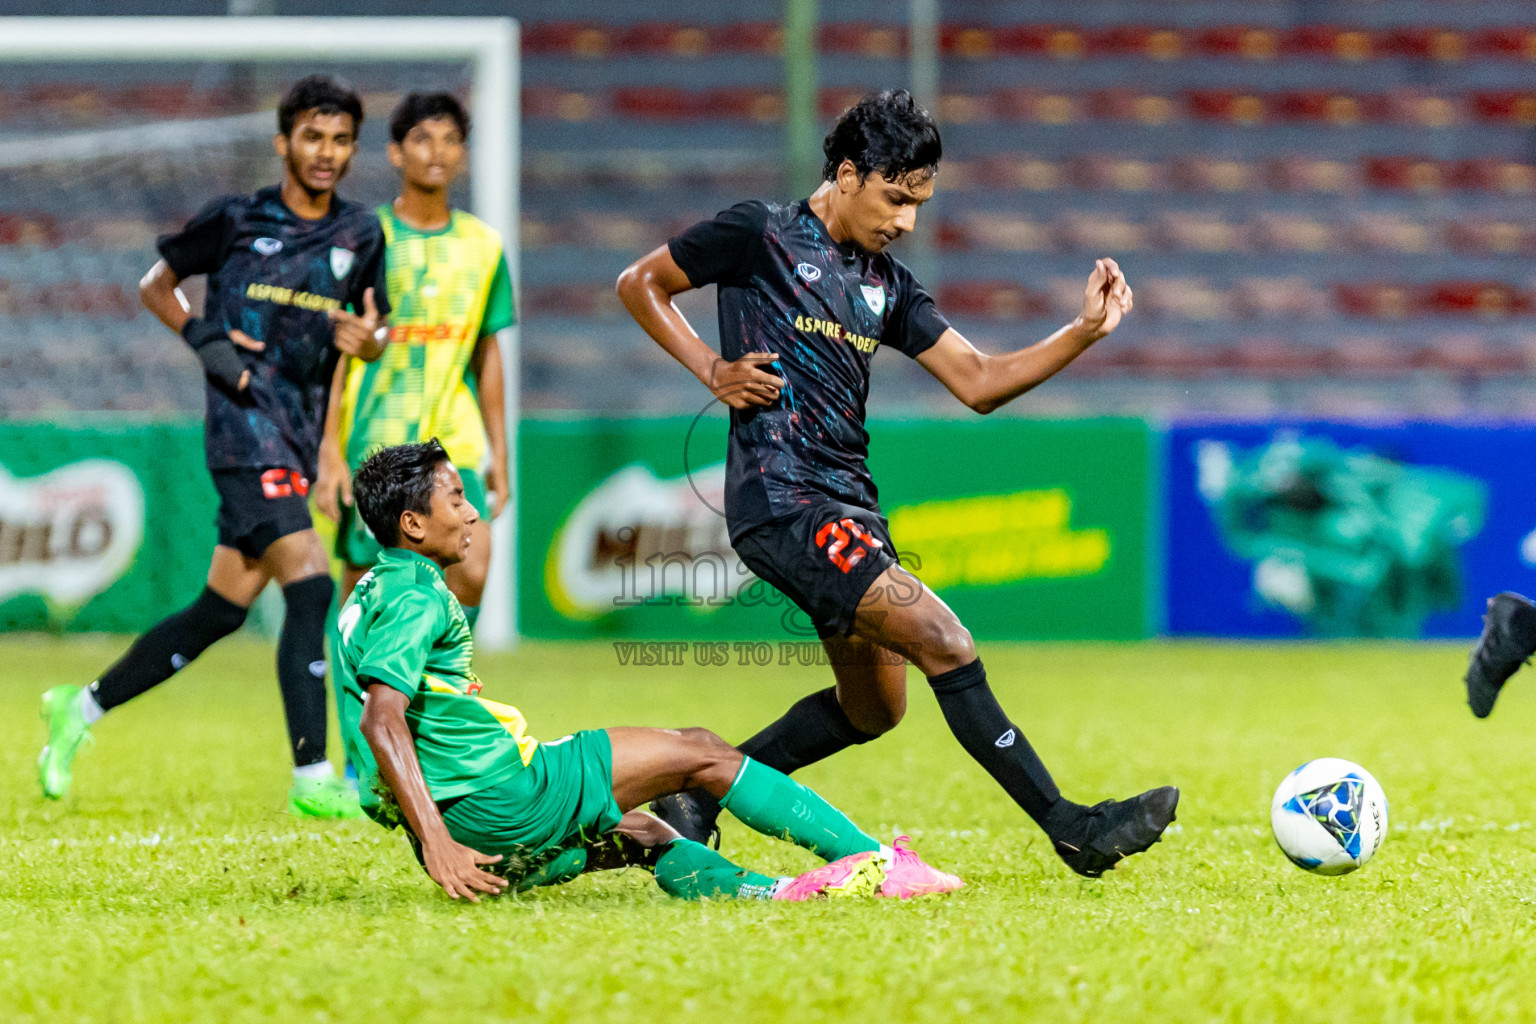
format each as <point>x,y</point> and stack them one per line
<point>441,374</point>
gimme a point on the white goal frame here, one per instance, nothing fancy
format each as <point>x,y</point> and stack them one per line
<point>489,45</point>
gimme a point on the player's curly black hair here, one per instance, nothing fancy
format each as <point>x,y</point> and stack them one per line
<point>885,132</point>
<point>391,480</point>
<point>417,107</point>
<point>323,93</point>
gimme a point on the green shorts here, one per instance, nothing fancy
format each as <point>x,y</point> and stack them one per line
<point>354,541</point>
<point>541,818</point>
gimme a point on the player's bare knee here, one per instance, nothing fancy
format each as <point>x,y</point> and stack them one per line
<point>707,743</point>
<point>947,644</point>
<point>715,762</point>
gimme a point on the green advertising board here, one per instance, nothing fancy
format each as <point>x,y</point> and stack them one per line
<point>105,524</point>
<point>1029,529</point>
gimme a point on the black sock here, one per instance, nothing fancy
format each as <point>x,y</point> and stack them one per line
<point>983,729</point>
<point>166,648</point>
<point>814,727</point>
<point>301,665</point>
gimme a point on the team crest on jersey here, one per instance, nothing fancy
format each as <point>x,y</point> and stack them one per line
<point>341,262</point>
<point>874,297</point>
<point>808,273</point>
<point>268,246</point>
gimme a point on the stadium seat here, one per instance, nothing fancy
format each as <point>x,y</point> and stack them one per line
<point>1244,167</point>
<point>863,40</point>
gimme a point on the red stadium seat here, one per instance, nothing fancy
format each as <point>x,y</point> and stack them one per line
<point>967,41</point>
<point>1495,175</point>
<point>832,102</point>
<point>567,38</point>
<point>1028,41</point>
<point>1508,105</point>
<point>863,40</point>
<point>746,103</point>
<point>662,103</point>
<point>1236,41</point>
<point>663,38</point>
<point>763,37</point>
<point>1134,41</point>
<point>1489,300</point>
<point>1424,43</point>
<point>1227,105</point>
<point>1327,41</point>
<point>543,103</point>
<point>997,300</point>
<point>29,229</point>
<point>1376,300</point>
<point>1515,43</point>
<point>1403,174</point>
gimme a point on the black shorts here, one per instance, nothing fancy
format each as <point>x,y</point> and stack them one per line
<point>257,506</point>
<point>823,558</point>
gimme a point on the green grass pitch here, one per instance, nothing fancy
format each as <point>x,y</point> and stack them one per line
<point>171,885</point>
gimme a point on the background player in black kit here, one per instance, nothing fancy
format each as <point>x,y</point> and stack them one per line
<point>282,265</point>
<point>806,295</point>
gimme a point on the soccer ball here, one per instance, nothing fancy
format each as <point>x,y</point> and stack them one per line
<point>1329,816</point>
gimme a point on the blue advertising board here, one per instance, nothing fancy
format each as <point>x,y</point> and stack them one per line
<point>1307,528</point>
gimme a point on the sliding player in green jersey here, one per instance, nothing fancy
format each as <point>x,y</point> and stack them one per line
<point>441,374</point>
<point>475,792</point>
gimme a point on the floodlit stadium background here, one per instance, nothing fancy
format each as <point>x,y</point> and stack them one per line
<point>1324,208</point>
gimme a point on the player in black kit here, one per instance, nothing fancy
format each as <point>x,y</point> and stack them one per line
<point>295,278</point>
<point>807,293</point>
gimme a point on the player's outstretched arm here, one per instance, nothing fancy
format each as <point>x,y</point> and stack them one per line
<point>333,487</point>
<point>985,382</point>
<point>646,288</point>
<point>453,866</point>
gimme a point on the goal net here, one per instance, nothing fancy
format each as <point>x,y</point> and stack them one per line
<point>113,131</point>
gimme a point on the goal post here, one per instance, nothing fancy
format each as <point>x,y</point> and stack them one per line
<point>489,46</point>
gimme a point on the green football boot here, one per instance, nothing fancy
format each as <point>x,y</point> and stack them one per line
<point>323,798</point>
<point>66,732</point>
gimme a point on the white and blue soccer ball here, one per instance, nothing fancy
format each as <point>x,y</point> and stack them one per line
<point>1329,816</point>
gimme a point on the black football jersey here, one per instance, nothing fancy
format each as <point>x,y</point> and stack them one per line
<point>276,276</point>
<point>785,286</point>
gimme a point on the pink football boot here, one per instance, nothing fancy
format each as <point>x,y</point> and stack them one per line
<point>858,874</point>
<point>907,876</point>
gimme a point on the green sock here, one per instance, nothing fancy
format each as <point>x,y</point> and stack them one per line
<point>558,870</point>
<point>772,803</point>
<point>692,871</point>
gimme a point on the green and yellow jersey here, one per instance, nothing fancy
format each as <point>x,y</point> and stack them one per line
<point>401,627</point>
<point>447,289</point>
